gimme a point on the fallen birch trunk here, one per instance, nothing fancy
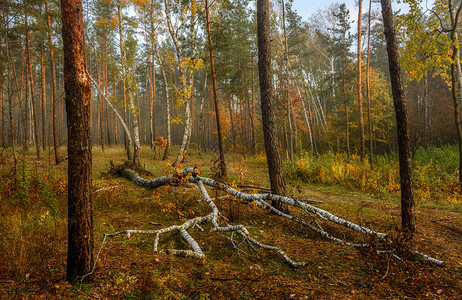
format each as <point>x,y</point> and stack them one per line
<point>191,175</point>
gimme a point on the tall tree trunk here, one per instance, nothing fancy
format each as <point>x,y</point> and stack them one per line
<point>201,129</point>
<point>273,155</point>
<point>405,170</point>
<point>26,111</point>
<point>122,63</point>
<point>360,99</point>
<point>54,89</point>
<point>345,101</point>
<point>167,116</point>
<point>2,97</point>
<point>153,85</point>
<point>15,78</point>
<point>233,130</point>
<point>116,130</point>
<point>78,96</point>
<point>106,88</point>
<point>136,128</point>
<point>32,87</point>
<point>456,77</point>
<point>100,106</point>
<point>221,160</point>
<point>253,145</point>
<point>369,121</point>
<point>188,118</point>
<point>305,88</point>
<point>167,104</point>
<point>10,100</point>
<point>43,92</point>
<point>286,92</point>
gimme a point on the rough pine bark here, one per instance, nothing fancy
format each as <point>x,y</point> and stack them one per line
<point>78,96</point>
<point>2,103</point>
<point>273,155</point>
<point>405,170</point>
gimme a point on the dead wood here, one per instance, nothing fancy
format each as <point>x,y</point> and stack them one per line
<point>117,170</point>
<point>381,243</point>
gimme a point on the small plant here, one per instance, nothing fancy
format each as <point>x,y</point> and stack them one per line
<point>433,173</point>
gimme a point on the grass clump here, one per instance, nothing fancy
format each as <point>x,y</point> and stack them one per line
<point>435,173</point>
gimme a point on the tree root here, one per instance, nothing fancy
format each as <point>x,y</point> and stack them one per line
<point>379,241</point>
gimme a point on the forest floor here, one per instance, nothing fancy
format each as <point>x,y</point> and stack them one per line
<point>33,241</point>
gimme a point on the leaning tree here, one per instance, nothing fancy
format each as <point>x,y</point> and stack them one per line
<point>405,170</point>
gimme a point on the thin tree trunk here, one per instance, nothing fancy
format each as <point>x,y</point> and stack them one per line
<point>106,88</point>
<point>26,111</point>
<point>266,93</point>
<point>153,85</point>
<point>345,101</point>
<point>78,96</point>
<point>308,125</point>
<point>136,128</point>
<point>233,130</point>
<point>369,121</point>
<point>405,170</point>
<point>167,104</point>
<point>44,92</point>
<point>286,92</point>
<point>188,119</point>
<point>360,100</point>
<point>122,62</point>
<point>10,112</point>
<point>252,113</point>
<point>100,107</point>
<point>54,87</point>
<point>10,101</point>
<point>221,160</point>
<point>310,115</point>
<point>32,89</point>
<point>201,130</point>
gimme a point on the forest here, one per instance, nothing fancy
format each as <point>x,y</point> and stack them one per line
<point>230,149</point>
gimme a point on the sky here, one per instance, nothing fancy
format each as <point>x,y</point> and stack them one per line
<point>305,8</point>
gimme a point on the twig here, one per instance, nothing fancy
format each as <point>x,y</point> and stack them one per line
<point>106,188</point>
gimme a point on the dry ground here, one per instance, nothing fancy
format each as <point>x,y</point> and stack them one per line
<point>34,252</point>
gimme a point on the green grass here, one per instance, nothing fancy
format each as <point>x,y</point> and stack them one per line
<point>33,232</point>
<point>435,179</point>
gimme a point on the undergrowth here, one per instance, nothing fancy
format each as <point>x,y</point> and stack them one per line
<point>435,173</point>
<point>33,209</point>
<point>33,226</point>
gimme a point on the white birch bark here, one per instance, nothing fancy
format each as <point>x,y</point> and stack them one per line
<point>191,174</point>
